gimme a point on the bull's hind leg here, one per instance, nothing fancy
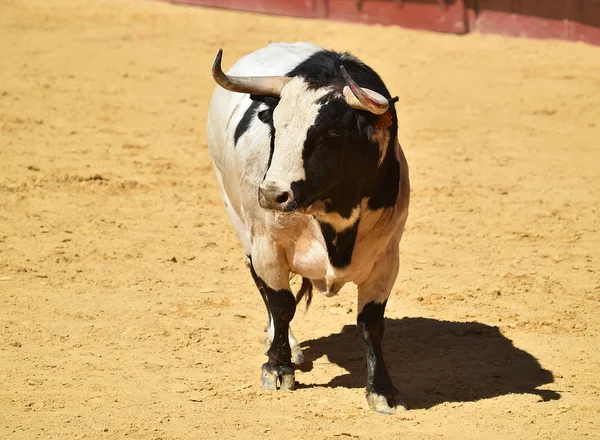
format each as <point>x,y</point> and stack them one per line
<point>382,396</point>
<point>278,371</point>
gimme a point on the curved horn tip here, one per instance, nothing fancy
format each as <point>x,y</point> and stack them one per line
<point>216,67</point>
<point>367,99</point>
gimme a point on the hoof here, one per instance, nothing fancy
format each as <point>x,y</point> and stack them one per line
<point>386,401</point>
<point>297,355</point>
<point>277,377</point>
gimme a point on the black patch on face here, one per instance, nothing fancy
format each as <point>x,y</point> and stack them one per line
<point>340,245</point>
<point>340,160</point>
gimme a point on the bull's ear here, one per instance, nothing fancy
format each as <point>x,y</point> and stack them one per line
<point>271,101</point>
<point>266,116</point>
<point>383,121</point>
<point>362,98</point>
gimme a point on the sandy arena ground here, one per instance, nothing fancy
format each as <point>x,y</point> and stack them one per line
<point>126,308</point>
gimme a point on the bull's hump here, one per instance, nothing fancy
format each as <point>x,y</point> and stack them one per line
<point>276,59</point>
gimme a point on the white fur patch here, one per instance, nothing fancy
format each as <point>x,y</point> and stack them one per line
<point>293,117</point>
<point>338,222</point>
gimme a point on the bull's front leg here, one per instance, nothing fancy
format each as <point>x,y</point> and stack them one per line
<point>382,396</point>
<point>272,279</point>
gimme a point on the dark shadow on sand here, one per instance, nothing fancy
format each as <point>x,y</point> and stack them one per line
<point>434,361</point>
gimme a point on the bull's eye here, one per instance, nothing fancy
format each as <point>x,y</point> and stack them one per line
<point>327,136</point>
<point>323,143</point>
<point>266,116</point>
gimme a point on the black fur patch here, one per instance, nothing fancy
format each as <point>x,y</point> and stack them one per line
<point>281,305</point>
<point>258,283</point>
<point>385,191</point>
<point>245,122</point>
<point>251,112</point>
<point>266,116</point>
<point>322,69</point>
<point>371,326</point>
<point>340,245</point>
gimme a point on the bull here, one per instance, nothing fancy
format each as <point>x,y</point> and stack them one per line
<point>304,147</point>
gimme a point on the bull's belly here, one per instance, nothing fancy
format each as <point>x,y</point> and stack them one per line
<point>309,260</point>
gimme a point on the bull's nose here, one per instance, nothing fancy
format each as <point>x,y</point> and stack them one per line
<point>272,196</point>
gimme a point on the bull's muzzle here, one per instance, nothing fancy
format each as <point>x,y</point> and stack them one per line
<point>273,196</point>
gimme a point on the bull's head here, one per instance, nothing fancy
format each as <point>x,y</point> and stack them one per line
<point>317,140</point>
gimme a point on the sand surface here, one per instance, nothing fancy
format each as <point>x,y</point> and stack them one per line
<point>126,310</point>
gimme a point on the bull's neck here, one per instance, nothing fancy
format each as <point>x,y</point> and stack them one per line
<point>378,192</point>
<point>339,242</point>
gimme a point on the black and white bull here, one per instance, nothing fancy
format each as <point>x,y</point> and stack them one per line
<point>315,184</point>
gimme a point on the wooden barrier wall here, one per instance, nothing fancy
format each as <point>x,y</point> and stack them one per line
<point>564,19</point>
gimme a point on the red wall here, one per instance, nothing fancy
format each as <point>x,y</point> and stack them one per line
<point>565,19</point>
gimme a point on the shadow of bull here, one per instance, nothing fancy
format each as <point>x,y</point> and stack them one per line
<point>433,361</point>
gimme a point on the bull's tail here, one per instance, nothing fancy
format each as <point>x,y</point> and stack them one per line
<point>305,289</point>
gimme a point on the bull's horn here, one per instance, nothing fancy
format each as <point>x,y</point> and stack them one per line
<point>363,99</point>
<point>254,85</point>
